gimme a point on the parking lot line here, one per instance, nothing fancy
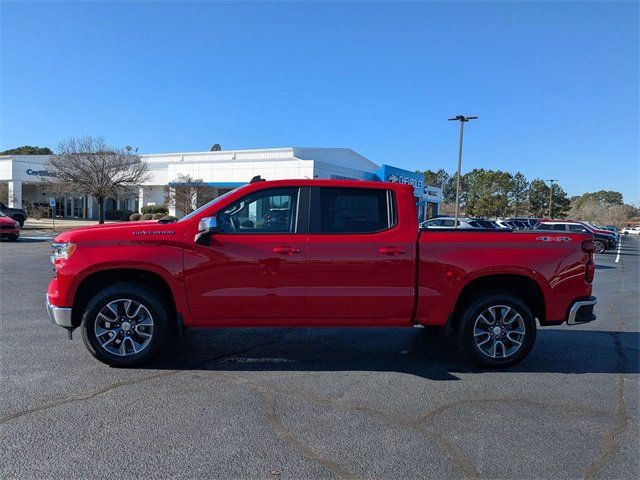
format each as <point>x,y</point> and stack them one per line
<point>619,246</point>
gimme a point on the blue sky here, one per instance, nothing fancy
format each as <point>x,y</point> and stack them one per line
<point>555,84</point>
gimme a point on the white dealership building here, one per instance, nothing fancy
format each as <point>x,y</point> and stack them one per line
<point>221,170</point>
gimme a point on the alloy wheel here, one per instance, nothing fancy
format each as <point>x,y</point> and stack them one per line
<point>499,331</point>
<point>124,327</point>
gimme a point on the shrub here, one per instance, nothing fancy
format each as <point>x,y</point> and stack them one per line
<point>38,210</point>
<point>158,216</point>
<point>146,216</point>
<point>118,215</point>
<point>135,217</point>
<point>152,209</point>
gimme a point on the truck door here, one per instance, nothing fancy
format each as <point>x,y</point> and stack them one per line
<point>254,270</point>
<point>361,258</point>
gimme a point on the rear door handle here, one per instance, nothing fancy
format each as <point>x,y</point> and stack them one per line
<point>392,250</point>
<point>286,250</point>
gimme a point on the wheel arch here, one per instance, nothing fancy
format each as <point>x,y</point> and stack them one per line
<point>99,280</point>
<point>521,286</point>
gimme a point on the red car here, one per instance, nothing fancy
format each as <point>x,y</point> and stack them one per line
<point>9,228</point>
<point>342,253</point>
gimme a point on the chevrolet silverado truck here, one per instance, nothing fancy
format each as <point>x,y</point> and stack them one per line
<point>315,253</point>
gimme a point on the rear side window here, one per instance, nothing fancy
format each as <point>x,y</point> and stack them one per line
<point>577,228</point>
<point>554,226</point>
<point>352,210</point>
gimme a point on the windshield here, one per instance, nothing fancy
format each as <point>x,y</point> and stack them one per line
<point>207,205</point>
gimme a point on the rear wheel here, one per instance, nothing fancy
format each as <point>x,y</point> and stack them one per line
<point>497,330</point>
<point>125,325</point>
<point>20,219</point>
<point>14,237</point>
<point>600,246</point>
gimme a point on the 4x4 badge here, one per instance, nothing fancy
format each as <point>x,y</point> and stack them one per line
<point>553,239</point>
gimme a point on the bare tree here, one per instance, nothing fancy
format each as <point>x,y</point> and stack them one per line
<point>187,193</point>
<point>599,213</point>
<point>88,166</point>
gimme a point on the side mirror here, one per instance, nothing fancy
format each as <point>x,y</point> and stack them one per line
<point>207,226</point>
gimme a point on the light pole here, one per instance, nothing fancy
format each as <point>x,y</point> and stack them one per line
<point>462,119</point>
<point>551,180</point>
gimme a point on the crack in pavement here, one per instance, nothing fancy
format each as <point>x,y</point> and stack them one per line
<point>270,409</point>
<point>93,393</point>
<point>464,465</point>
<point>83,396</point>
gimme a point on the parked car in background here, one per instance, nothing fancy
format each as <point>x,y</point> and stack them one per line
<point>450,222</point>
<point>525,223</point>
<point>505,224</point>
<point>603,241</point>
<point>631,230</point>
<point>9,228</point>
<point>18,214</point>
<point>595,228</point>
<point>611,228</point>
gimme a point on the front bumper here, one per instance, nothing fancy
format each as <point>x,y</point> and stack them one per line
<point>582,311</point>
<point>59,315</point>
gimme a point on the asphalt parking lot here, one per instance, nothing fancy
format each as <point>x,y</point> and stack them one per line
<point>329,403</point>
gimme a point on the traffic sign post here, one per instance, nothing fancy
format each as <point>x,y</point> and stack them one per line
<point>52,204</point>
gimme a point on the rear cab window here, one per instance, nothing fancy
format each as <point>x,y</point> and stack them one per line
<point>351,210</point>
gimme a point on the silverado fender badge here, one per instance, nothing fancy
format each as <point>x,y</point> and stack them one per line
<point>154,232</point>
<point>553,239</point>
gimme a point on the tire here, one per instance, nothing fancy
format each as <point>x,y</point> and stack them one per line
<point>14,237</point>
<point>130,314</point>
<point>600,246</point>
<point>20,219</point>
<point>518,326</point>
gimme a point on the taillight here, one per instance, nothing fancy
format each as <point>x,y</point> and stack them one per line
<point>589,247</point>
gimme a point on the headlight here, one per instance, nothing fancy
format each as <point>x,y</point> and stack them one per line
<point>62,251</point>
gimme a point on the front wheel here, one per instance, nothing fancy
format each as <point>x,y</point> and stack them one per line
<point>14,237</point>
<point>125,325</point>
<point>497,330</point>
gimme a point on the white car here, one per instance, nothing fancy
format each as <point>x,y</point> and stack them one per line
<point>631,230</point>
<point>449,222</point>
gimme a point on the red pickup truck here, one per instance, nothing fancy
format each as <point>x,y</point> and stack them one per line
<point>315,253</point>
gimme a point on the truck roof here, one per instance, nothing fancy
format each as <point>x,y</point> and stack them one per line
<point>306,182</point>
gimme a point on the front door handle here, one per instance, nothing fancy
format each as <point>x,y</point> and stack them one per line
<point>286,250</point>
<point>392,250</point>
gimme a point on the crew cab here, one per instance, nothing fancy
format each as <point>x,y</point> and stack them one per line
<point>341,253</point>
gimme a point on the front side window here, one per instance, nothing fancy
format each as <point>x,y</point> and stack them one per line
<point>353,210</point>
<point>267,211</point>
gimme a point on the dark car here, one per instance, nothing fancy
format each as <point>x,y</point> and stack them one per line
<point>18,214</point>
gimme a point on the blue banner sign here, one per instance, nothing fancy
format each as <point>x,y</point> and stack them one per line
<point>387,173</point>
